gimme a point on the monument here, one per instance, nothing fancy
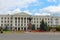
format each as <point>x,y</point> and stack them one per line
<point>30,25</point>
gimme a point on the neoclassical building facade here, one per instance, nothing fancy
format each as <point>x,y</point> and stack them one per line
<point>20,21</point>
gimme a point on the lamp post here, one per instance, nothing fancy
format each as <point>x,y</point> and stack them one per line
<point>30,25</point>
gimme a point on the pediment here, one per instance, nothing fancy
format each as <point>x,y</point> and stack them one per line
<point>22,13</point>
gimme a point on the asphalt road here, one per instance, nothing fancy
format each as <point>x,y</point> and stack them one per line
<point>30,36</point>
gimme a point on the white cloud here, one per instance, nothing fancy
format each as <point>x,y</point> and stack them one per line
<point>18,11</point>
<point>27,12</point>
<point>52,0</point>
<point>51,9</point>
<point>43,14</point>
<point>5,5</point>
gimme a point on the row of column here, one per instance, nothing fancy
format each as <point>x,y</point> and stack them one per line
<point>20,28</point>
<point>20,21</point>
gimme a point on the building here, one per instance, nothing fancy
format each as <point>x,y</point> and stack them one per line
<point>20,21</point>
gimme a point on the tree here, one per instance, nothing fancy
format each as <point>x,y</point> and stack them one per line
<point>43,25</point>
<point>46,27</point>
<point>6,28</point>
<point>33,27</point>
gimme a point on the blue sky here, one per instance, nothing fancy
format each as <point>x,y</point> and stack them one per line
<point>34,7</point>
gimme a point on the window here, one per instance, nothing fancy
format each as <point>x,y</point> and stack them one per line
<point>48,22</point>
<point>21,24</point>
<point>24,21</point>
<point>40,18</point>
<point>5,17</point>
<point>18,21</point>
<point>8,24</point>
<point>8,21</point>
<point>37,21</point>
<point>1,21</point>
<point>1,24</point>
<point>8,17</point>
<point>11,24</point>
<point>1,17</point>
<point>48,18</point>
<point>37,25</point>
<point>11,17</point>
<point>15,18</point>
<point>15,21</point>
<point>18,18</point>
<point>37,18</point>
<point>45,18</point>
<point>24,24</point>
<point>18,24</point>
<point>5,21</point>
<point>15,24</point>
<point>4,24</point>
<point>34,21</point>
<point>11,21</point>
<point>34,18</point>
<point>24,18</point>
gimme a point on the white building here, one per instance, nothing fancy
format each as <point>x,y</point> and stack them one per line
<point>20,21</point>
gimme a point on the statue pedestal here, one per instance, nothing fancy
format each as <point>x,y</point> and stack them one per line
<point>30,27</point>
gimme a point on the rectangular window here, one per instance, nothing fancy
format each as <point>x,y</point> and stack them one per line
<point>1,17</point>
<point>18,24</point>
<point>15,21</point>
<point>11,21</point>
<point>11,17</point>
<point>24,24</point>
<point>18,21</point>
<point>37,18</point>
<point>5,17</point>
<point>8,17</point>
<point>34,21</point>
<point>8,21</point>
<point>11,24</point>
<point>15,24</point>
<point>45,18</point>
<point>4,24</point>
<point>21,24</point>
<point>1,21</point>
<point>37,21</point>
<point>34,18</point>
<point>5,21</point>
<point>1,24</point>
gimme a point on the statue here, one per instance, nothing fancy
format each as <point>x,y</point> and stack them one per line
<point>30,25</point>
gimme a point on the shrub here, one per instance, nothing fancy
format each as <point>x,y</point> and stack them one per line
<point>57,28</point>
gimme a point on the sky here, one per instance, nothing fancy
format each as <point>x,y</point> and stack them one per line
<point>34,7</point>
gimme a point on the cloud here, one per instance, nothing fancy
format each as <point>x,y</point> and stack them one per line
<point>6,5</point>
<point>52,0</point>
<point>26,11</point>
<point>51,9</point>
<point>43,14</point>
<point>18,11</point>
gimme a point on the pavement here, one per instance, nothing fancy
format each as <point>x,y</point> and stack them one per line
<point>31,36</point>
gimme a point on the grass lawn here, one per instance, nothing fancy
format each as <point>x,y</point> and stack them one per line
<point>10,32</point>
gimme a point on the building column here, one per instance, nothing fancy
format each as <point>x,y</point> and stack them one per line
<point>26,28</point>
<point>13,22</point>
<point>17,28</point>
<point>23,28</point>
<point>20,28</point>
<point>26,21</point>
<point>23,21</point>
<point>17,21</point>
<point>20,21</point>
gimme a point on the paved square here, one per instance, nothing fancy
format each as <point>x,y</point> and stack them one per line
<point>30,36</point>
